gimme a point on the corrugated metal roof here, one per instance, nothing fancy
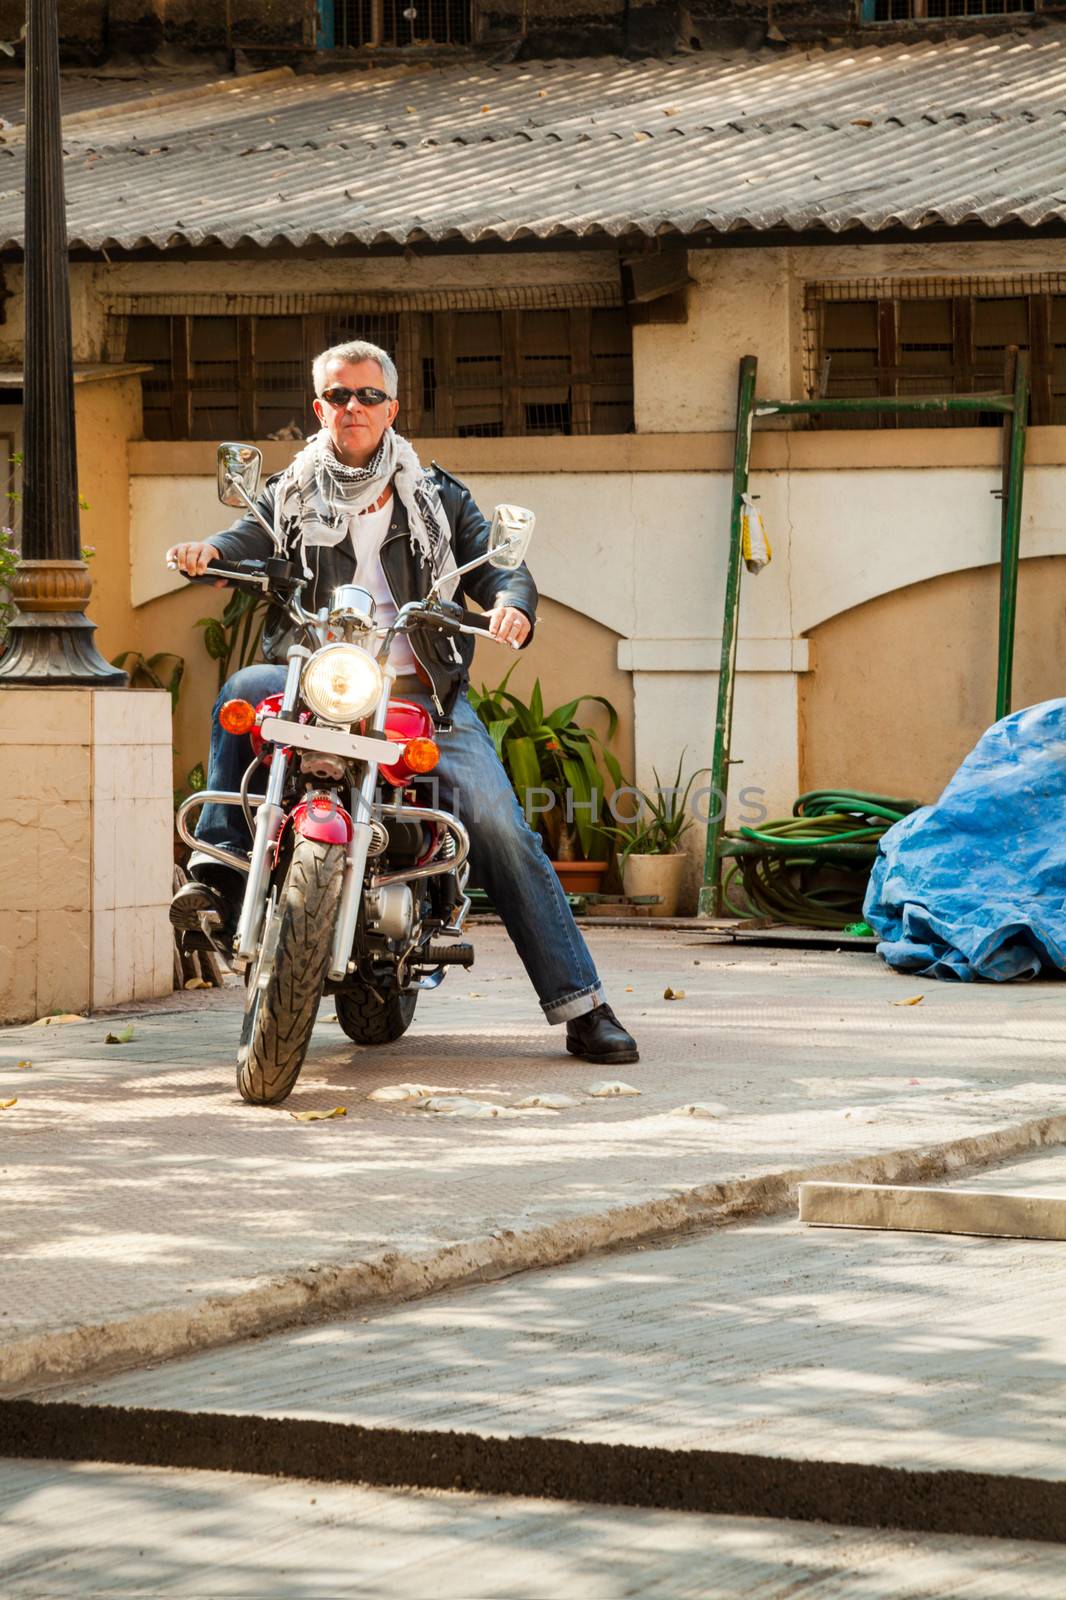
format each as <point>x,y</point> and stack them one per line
<point>904,135</point>
<point>85,90</point>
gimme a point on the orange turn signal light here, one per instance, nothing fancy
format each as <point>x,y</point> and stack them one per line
<point>237,716</point>
<point>421,755</point>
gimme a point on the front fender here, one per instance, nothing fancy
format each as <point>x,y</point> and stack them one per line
<point>323,820</point>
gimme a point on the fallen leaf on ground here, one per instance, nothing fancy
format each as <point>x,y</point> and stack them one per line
<point>548,1102</point>
<point>701,1108</point>
<point>22,1065</point>
<point>5,1105</point>
<point>65,1016</point>
<point>198,983</point>
<point>673,994</point>
<point>121,1038</point>
<point>610,1086</point>
<point>629,988</point>
<point>912,1000</point>
<point>318,1116</point>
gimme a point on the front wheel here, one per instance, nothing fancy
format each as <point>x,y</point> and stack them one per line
<point>368,1020</point>
<point>286,984</point>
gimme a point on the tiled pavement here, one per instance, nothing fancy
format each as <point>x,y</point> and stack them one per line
<point>135,1179</point>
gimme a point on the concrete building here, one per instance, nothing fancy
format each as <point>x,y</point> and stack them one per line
<point>570,258</point>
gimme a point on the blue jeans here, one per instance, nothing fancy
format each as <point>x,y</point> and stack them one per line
<point>506,856</point>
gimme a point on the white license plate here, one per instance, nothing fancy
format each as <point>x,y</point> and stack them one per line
<point>330,741</point>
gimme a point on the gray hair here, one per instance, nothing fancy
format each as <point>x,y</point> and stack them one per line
<point>352,353</point>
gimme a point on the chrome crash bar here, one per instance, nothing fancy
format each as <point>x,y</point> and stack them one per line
<point>218,797</point>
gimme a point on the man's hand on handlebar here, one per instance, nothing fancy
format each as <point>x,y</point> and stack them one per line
<point>509,626</point>
<point>193,559</point>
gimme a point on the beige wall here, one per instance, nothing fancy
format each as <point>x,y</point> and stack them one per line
<point>108,413</point>
<point>904,685</point>
<point>631,554</point>
<point>85,830</point>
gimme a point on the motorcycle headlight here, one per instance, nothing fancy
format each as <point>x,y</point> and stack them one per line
<point>341,683</point>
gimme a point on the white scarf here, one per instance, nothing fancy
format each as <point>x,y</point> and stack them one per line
<point>318,499</point>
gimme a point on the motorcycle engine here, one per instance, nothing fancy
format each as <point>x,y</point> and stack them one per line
<point>390,912</point>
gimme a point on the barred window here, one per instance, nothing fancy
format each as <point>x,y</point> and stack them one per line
<point>393,23</point>
<point>939,10</point>
<point>463,374</point>
<point>934,337</point>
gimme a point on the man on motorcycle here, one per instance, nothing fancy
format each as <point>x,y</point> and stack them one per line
<point>357,506</point>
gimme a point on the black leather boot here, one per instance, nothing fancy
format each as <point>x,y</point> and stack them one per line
<point>598,1035</point>
<point>206,910</point>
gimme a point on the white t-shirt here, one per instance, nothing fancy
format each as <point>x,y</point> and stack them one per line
<point>368,533</point>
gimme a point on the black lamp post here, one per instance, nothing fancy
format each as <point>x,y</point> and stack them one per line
<point>50,640</point>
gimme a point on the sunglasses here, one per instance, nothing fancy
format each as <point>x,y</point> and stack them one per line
<point>340,396</point>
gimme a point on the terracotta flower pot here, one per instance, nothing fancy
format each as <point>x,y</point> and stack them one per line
<point>581,877</point>
<point>661,875</point>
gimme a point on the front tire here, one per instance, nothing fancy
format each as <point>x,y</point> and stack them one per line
<point>367,1021</point>
<point>287,984</point>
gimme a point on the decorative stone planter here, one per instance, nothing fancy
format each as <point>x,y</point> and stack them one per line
<point>581,877</point>
<point>661,875</point>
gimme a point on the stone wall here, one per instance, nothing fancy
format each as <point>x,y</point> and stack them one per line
<point>85,841</point>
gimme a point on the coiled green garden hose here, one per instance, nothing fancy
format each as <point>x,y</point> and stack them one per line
<point>814,886</point>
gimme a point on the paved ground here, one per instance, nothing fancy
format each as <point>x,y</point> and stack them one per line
<point>136,1180</point>
<point>111,1531</point>
<point>898,1349</point>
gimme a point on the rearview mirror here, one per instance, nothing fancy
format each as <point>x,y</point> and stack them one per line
<point>239,466</point>
<point>509,536</point>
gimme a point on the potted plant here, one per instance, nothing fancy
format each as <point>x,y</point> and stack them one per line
<point>551,754</point>
<point>651,860</point>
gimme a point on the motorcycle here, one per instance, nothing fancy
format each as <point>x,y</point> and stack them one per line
<point>355,883</point>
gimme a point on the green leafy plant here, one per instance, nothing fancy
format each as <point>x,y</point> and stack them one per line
<point>195,780</point>
<point>9,560</point>
<point>164,670</point>
<point>233,639</point>
<point>661,820</point>
<point>552,751</point>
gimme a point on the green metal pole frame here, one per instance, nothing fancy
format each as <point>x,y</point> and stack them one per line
<point>1010,535</point>
<point>1015,408</point>
<point>710,892</point>
<point>939,403</point>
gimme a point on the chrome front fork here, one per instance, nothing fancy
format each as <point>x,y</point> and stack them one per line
<point>268,821</point>
<point>358,850</point>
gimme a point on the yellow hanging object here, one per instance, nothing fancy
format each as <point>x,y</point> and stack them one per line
<point>753,540</point>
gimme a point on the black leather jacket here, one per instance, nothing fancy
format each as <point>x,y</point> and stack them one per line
<point>446,661</point>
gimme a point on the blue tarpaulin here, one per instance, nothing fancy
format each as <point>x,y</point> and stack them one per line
<point>975,885</point>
